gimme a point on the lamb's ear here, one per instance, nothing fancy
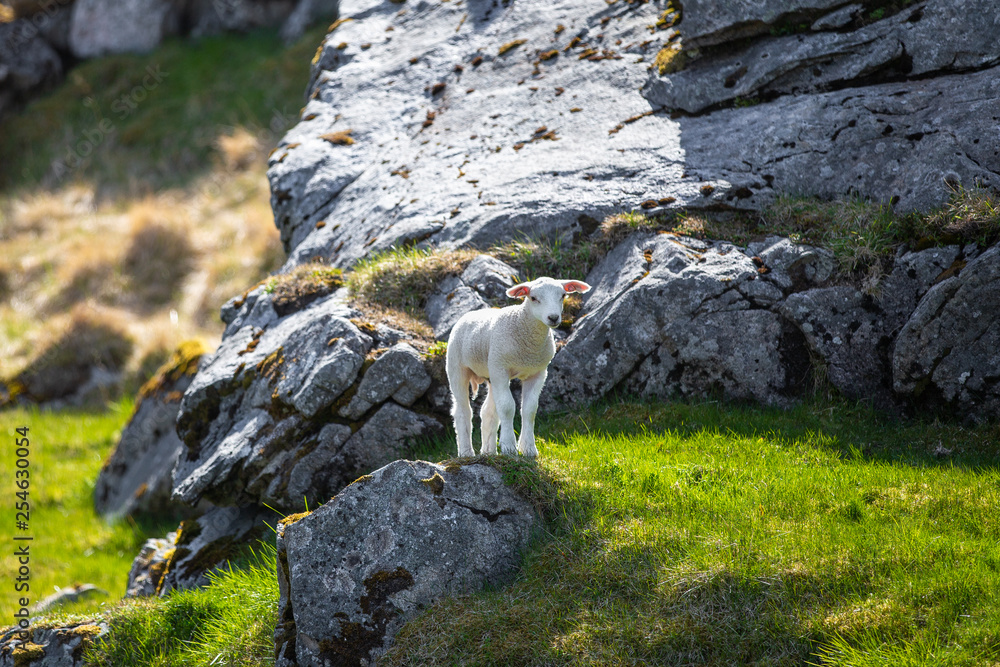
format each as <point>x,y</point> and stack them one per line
<point>575,286</point>
<point>519,291</point>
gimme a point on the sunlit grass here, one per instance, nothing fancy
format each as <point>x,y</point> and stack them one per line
<point>71,543</point>
<point>707,534</point>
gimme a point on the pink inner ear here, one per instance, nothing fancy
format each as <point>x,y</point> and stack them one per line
<point>518,290</point>
<point>575,286</point>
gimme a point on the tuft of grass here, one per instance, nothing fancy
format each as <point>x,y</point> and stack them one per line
<point>91,338</point>
<point>159,254</point>
<point>715,534</point>
<point>230,622</point>
<point>301,286</point>
<point>403,278</point>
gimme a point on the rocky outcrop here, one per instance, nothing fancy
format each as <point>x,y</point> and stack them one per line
<point>354,571</point>
<point>672,315</point>
<point>299,405</point>
<point>408,135</point>
<point>50,646</point>
<point>137,478</point>
<point>948,352</point>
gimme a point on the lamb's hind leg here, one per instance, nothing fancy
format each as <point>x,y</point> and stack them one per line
<point>490,422</point>
<point>462,410</point>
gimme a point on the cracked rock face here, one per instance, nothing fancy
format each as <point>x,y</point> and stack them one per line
<point>288,408</point>
<point>948,353</point>
<point>671,315</point>
<point>409,134</point>
<point>354,571</point>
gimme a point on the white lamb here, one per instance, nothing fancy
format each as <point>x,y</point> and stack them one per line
<point>497,345</point>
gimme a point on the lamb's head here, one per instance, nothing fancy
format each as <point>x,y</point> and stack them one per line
<point>543,297</point>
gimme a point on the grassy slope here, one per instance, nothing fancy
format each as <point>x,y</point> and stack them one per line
<point>703,534</point>
<point>722,535</point>
<point>71,543</point>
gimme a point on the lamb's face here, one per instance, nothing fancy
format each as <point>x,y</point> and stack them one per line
<point>544,297</point>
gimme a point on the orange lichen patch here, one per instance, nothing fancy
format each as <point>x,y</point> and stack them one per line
<point>342,138</point>
<point>548,55</point>
<point>336,24</point>
<point>628,121</point>
<point>670,59</point>
<point>510,46</point>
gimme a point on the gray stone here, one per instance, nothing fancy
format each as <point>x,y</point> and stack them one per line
<point>667,316</point>
<point>211,18</point>
<point>399,373</point>
<point>137,476</point>
<point>410,177</point>
<point>491,278</point>
<point>256,399</point>
<point>793,267</point>
<point>181,560</point>
<point>711,22</point>
<point>52,645</point>
<point>838,18</point>
<point>832,144</point>
<point>306,13</point>
<point>388,435</point>
<point>354,571</point>
<point>100,27</point>
<point>446,306</point>
<point>28,63</point>
<point>483,283</point>
<point>948,353</point>
<point>845,329</point>
<point>912,42</point>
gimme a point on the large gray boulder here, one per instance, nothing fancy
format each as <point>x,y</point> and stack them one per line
<point>354,571</point>
<point>926,38</point>
<point>100,27</point>
<point>948,353</point>
<point>409,134</point>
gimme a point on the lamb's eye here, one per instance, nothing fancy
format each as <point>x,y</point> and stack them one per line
<point>534,299</point>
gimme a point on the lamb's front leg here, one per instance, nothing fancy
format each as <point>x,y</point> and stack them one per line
<point>531,389</point>
<point>505,406</point>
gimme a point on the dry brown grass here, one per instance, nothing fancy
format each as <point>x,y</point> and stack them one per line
<point>159,254</point>
<point>239,149</point>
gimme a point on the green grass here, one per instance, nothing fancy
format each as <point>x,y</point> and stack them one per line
<point>71,543</point>
<point>155,118</point>
<point>712,534</point>
<point>682,534</point>
<point>230,622</point>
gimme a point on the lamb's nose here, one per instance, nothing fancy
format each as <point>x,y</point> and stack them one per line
<point>553,320</point>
